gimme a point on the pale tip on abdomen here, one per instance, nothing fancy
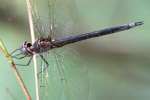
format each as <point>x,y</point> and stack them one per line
<point>134,24</point>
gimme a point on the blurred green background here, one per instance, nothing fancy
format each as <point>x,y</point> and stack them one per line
<point>116,67</point>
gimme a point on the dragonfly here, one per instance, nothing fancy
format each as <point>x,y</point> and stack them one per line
<point>44,44</point>
<point>49,23</point>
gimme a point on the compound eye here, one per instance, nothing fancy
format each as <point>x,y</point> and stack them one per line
<point>29,44</point>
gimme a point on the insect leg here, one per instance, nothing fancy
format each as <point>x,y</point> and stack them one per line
<point>26,63</point>
<point>14,51</point>
<point>45,61</point>
<point>15,56</point>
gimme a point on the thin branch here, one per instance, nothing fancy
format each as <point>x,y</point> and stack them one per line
<point>16,72</point>
<point>29,11</point>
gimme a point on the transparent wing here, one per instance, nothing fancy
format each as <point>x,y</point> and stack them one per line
<point>75,74</point>
<point>66,18</point>
<point>67,76</point>
<point>42,12</point>
<point>56,17</point>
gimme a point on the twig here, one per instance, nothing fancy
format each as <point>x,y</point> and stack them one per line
<point>16,72</point>
<point>29,11</point>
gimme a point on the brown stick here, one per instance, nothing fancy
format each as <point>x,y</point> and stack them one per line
<point>16,72</point>
<point>20,81</point>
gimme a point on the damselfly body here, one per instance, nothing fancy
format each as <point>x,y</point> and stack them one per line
<point>44,44</point>
<point>59,18</point>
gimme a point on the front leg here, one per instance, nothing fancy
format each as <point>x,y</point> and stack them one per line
<point>27,64</point>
